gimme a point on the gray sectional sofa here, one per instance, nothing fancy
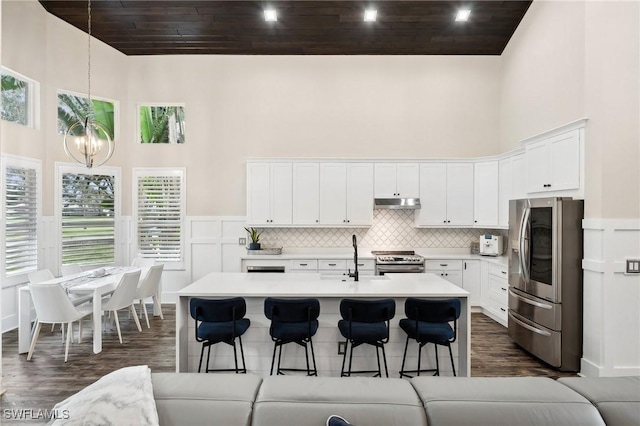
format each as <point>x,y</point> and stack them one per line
<point>229,399</point>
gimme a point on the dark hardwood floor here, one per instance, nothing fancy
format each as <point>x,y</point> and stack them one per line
<point>47,379</point>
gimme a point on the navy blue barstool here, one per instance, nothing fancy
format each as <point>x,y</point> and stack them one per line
<point>428,322</point>
<point>220,321</point>
<point>365,322</point>
<point>292,321</point>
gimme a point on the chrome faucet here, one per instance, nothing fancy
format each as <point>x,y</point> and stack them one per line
<point>354,274</point>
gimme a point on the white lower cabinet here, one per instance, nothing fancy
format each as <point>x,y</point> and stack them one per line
<point>450,270</point>
<point>471,280</point>
<point>495,292</point>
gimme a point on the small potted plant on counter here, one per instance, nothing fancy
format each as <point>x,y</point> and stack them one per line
<point>255,238</point>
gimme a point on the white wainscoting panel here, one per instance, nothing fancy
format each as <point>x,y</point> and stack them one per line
<point>611,333</point>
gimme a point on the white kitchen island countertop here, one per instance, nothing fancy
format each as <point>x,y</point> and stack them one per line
<point>223,284</point>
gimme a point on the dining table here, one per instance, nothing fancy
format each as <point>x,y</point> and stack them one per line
<point>96,282</point>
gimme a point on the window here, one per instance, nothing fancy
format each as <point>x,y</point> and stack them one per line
<point>88,212</point>
<point>158,211</point>
<point>21,197</point>
<point>161,124</point>
<point>73,107</point>
<point>18,98</point>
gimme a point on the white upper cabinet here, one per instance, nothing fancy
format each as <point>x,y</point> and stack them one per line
<point>306,193</point>
<point>269,194</point>
<point>553,164</point>
<point>397,180</point>
<point>346,194</point>
<point>519,177</point>
<point>486,194</point>
<point>505,190</point>
<point>446,195</point>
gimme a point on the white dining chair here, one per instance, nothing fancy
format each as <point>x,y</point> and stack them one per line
<point>38,276</point>
<point>143,262</point>
<point>123,297</point>
<point>54,306</point>
<point>150,287</point>
<point>70,270</point>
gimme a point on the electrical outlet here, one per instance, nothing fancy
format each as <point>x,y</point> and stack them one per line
<point>342,347</point>
<point>242,241</point>
<point>633,266</point>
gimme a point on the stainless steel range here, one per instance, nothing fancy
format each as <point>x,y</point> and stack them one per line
<point>398,262</point>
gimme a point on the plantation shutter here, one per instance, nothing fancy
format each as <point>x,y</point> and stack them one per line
<point>21,220</point>
<point>88,219</point>
<point>159,221</point>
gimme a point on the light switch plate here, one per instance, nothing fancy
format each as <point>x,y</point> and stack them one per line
<point>242,241</point>
<point>633,266</point>
<point>342,347</point>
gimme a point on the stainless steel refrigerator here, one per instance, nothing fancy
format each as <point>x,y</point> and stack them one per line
<point>545,278</point>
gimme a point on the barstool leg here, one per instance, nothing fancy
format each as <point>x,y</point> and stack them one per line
<point>384,358</point>
<point>451,356</point>
<point>208,356</point>
<point>200,363</point>
<point>404,357</point>
<point>378,359</point>
<point>419,357</point>
<point>344,357</point>
<point>306,358</point>
<point>278,372</point>
<point>235,355</point>
<point>437,363</point>
<point>273,358</point>
<point>244,366</point>
<point>313,357</point>
<point>350,359</point>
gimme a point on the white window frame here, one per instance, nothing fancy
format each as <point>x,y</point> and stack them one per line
<point>138,172</point>
<point>116,109</point>
<point>156,104</point>
<point>61,169</point>
<point>7,160</point>
<point>33,99</point>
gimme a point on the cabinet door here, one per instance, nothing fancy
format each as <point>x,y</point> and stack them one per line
<point>258,193</point>
<point>333,194</point>
<point>460,194</point>
<point>385,180</point>
<point>485,194</point>
<point>537,159</point>
<point>306,193</point>
<point>433,195</point>
<point>407,180</point>
<point>565,161</point>
<point>281,194</point>
<point>471,280</point>
<point>505,189</point>
<point>360,193</point>
<point>519,177</point>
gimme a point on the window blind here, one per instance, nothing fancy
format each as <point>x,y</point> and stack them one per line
<point>21,220</point>
<point>88,219</point>
<point>159,221</point>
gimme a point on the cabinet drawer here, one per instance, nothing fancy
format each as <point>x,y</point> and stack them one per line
<point>363,265</point>
<point>498,304</point>
<point>499,286</point>
<point>304,264</point>
<point>499,270</point>
<point>443,265</point>
<point>332,265</point>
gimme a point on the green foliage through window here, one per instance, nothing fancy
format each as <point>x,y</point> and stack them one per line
<point>162,124</point>
<point>72,108</point>
<point>15,100</point>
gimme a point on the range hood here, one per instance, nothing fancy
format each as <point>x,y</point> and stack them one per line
<point>396,203</point>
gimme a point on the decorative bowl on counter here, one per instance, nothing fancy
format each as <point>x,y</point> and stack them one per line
<point>266,250</point>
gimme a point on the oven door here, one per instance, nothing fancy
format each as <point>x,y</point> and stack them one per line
<point>385,268</point>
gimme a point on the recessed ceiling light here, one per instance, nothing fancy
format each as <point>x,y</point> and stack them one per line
<point>370,15</point>
<point>270,15</point>
<point>463,15</point>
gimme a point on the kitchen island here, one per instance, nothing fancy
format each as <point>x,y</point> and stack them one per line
<point>258,345</point>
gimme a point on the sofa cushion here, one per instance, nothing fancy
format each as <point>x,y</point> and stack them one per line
<point>198,399</point>
<point>302,400</point>
<point>534,401</point>
<point>617,398</point>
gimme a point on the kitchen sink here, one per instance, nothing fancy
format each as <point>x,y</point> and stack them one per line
<point>365,278</point>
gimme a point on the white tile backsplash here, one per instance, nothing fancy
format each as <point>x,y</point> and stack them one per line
<point>392,229</point>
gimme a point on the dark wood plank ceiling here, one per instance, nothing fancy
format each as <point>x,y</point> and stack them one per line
<point>303,27</point>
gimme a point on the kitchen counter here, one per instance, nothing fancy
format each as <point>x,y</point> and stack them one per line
<point>258,346</point>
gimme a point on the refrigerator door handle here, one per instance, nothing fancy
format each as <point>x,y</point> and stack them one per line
<point>524,238</point>
<point>530,302</point>
<point>528,327</point>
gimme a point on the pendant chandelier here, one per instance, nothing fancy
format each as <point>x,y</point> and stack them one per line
<point>87,141</point>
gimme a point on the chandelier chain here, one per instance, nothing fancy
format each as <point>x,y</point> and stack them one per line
<point>89,59</point>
